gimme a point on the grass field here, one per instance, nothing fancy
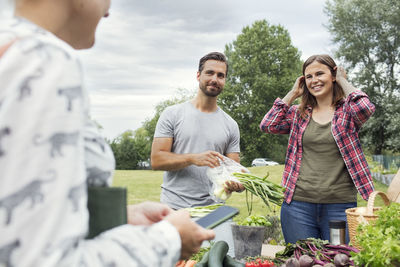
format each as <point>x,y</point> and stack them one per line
<point>145,185</point>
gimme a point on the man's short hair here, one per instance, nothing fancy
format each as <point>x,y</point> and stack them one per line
<point>213,56</point>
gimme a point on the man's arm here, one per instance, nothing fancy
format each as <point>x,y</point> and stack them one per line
<point>163,159</point>
<point>234,156</point>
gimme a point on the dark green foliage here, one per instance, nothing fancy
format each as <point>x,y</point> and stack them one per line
<point>367,32</point>
<point>132,147</point>
<point>263,65</point>
<point>124,151</point>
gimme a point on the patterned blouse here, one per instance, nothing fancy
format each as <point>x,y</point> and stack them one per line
<point>349,116</point>
<point>49,152</point>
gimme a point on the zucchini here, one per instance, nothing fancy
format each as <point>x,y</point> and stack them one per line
<point>231,262</point>
<point>217,254</point>
<point>204,261</point>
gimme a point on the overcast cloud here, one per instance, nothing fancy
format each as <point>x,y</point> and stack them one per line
<point>146,50</point>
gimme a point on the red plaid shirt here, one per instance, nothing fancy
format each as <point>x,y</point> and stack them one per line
<point>349,116</point>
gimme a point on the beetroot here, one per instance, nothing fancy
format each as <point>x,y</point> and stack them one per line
<point>329,264</point>
<point>292,262</point>
<point>306,261</point>
<point>341,260</point>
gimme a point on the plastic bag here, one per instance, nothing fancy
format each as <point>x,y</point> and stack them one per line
<point>219,175</point>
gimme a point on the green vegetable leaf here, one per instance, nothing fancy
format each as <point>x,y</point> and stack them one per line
<point>380,240</point>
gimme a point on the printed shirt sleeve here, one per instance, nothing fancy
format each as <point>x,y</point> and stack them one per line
<point>43,194</point>
<point>99,158</point>
<point>279,118</point>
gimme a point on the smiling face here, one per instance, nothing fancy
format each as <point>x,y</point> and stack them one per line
<point>319,80</point>
<point>212,78</point>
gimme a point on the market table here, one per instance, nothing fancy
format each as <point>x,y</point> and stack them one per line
<point>270,250</point>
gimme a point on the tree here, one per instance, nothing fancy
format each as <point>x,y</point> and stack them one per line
<point>367,32</point>
<point>142,144</point>
<point>124,151</point>
<point>263,65</point>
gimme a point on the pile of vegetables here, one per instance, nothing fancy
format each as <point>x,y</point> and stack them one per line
<point>380,240</point>
<point>266,190</point>
<point>217,257</point>
<point>259,262</point>
<point>315,252</point>
<point>199,255</point>
<point>188,263</point>
<point>195,257</point>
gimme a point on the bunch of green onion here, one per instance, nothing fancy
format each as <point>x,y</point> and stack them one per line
<point>201,211</point>
<point>266,190</point>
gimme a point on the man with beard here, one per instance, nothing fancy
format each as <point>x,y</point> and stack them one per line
<point>192,136</point>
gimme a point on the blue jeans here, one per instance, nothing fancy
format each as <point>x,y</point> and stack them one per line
<point>301,220</point>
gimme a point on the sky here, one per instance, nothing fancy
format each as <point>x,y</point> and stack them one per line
<point>146,50</point>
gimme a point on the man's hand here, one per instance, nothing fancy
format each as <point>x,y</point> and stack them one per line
<point>192,235</point>
<point>208,158</point>
<point>232,186</point>
<point>147,213</point>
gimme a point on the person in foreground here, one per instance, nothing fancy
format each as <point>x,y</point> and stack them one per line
<point>325,165</point>
<point>49,149</point>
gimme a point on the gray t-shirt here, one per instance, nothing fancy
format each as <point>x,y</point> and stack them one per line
<point>194,131</point>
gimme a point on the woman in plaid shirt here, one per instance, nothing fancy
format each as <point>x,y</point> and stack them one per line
<point>325,166</point>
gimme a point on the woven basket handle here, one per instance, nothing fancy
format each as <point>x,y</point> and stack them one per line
<point>371,201</point>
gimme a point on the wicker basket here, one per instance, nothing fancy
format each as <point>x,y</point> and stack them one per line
<point>358,215</point>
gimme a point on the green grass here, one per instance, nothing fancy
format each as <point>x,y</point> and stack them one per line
<point>145,185</point>
<point>142,185</point>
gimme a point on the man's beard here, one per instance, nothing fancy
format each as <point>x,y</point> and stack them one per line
<point>203,88</point>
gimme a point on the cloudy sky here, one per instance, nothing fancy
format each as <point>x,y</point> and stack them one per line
<point>147,49</point>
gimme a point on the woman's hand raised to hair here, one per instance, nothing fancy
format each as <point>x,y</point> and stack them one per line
<point>341,79</point>
<point>296,91</point>
<point>341,74</point>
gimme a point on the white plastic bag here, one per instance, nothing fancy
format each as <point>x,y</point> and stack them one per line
<point>219,175</point>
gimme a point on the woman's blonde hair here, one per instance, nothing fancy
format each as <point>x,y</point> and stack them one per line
<point>307,99</point>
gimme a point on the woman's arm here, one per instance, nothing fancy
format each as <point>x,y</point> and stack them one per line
<point>341,79</point>
<point>279,118</point>
<point>357,102</point>
<point>296,91</point>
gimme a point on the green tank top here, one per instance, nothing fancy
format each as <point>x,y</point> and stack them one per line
<point>323,176</point>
